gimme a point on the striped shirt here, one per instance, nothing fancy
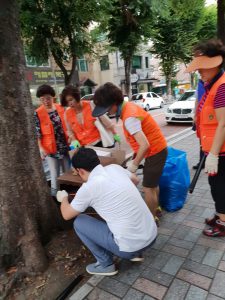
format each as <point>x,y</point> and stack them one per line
<point>219,100</point>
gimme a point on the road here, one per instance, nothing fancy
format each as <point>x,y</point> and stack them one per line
<point>159,116</point>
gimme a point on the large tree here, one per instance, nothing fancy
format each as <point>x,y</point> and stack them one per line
<point>27,214</point>
<point>208,27</point>
<point>127,23</point>
<point>174,34</point>
<point>60,28</point>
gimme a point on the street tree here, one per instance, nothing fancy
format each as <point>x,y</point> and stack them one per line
<point>126,27</point>
<point>60,28</point>
<point>27,214</point>
<point>208,29</point>
<point>174,34</point>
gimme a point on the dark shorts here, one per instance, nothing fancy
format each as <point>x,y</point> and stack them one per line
<point>217,185</point>
<point>153,169</point>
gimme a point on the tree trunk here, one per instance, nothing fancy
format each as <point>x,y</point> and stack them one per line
<point>221,20</point>
<point>192,76</point>
<point>73,78</point>
<point>168,87</point>
<point>127,65</point>
<point>27,214</point>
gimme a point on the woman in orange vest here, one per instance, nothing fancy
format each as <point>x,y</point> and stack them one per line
<point>80,123</point>
<point>51,132</point>
<point>208,60</point>
<point>142,133</point>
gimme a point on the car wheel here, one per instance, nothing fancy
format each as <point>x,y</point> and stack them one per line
<point>147,107</point>
<point>161,105</point>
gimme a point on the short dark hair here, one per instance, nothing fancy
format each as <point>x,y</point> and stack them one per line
<point>108,94</point>
<point>85,158</point>
<point>45,89</point>
<point>69,90</point>
<point>210,48</point>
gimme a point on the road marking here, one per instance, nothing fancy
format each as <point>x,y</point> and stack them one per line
<point>177,134</point>
<point>158,115</point>
<point>182,137</point>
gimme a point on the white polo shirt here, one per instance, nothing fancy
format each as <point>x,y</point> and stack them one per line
<point>116,199</point>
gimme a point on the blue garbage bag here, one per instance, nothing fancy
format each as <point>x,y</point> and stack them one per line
<point>175,180</point>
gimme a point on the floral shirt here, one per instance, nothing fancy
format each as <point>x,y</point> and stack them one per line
<point>61,145</point>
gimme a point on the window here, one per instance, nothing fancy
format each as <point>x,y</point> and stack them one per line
<point>104,63</point>
<point>136,62</point>
<point>31,62</point>
<point>82,65</point>
<point>155,95</point>
<point>146,62</point>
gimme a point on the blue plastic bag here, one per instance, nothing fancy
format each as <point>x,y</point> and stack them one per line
<point>175,180</point>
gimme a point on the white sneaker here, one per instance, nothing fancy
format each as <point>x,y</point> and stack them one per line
<point>137,259</point>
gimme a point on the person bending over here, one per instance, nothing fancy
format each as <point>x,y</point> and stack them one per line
<point>127,228</point>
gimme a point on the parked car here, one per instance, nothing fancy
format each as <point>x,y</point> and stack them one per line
<point>183,109</point>
<point>148,100</point>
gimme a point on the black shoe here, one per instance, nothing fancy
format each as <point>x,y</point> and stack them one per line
<point>196,167</point>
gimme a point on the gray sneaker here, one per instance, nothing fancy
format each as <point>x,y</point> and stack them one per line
<point>97,269</point>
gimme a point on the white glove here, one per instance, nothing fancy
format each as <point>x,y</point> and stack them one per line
<point>61,195</point>
<point>43,154</point>
<point>131,166</point>
<point>211,164</point>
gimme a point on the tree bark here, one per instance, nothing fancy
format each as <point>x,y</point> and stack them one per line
<point>168,86</point>
<point>221,20</point>
<point>27,214</point>
<point>73,78</point>
<point>127,65</point>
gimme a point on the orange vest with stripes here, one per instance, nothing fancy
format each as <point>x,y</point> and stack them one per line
<point>208,120</point>
<point>48,136</point>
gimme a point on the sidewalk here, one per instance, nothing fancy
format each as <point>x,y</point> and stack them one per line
<point>182,264</point>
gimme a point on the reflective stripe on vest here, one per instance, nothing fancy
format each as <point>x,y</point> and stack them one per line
<point>48,136</point>
<point>208,120</point>
<point>150,128</point>
<point>86,133</point>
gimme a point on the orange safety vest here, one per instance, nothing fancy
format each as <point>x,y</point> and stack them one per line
<point>208,121</point>
<point>48,136</point>
<point>150,128</point>
<point>86,133</point>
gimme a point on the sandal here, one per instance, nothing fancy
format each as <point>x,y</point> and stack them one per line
<point>212,221</point>
<point>157,221</point>
<point>159,212</point>
<point>217,231</point>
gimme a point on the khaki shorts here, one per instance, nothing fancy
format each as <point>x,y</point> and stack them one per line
<point>153,169</point>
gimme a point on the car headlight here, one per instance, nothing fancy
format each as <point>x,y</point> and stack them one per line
<point>169,110</point>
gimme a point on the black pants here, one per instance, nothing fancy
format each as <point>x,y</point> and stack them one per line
<point>217,184</point>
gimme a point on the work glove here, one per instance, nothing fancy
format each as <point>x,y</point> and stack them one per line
<point>74,145</point>
<point>117,138</point>
<point>61,195</point>
<point>43,154</point>
<point>211,164</point>
<point>131,166</point>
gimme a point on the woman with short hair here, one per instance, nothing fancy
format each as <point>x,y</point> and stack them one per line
<point>52,136</point>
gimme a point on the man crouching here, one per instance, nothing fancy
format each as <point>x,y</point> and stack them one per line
<point>129,227</point>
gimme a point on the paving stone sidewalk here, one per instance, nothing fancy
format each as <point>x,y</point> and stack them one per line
<point>182,264</point>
